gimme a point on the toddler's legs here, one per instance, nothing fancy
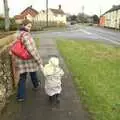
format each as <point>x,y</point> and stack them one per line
<point>57,96</point>
<point>52,98</point>
<point>55,99</point>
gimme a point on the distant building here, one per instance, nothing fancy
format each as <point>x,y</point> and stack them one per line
<point>54,15</point>
<point>102,21</point>
<point>28,13</point>
<point>111,18</point>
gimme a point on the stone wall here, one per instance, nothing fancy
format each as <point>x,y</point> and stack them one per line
<point>6,76</point>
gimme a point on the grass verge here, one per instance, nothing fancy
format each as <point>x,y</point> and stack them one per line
<point>96,72</point>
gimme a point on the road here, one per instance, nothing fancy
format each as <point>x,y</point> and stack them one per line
<point>79,32</point>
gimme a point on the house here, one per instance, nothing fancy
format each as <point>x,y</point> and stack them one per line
<point>102,21</point>
<point>111,18</point>
<point>40,17</point>
<point>28,13</point>
<point>54,16</point>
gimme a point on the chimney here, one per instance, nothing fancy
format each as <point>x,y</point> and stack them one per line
<point>59,7</point>
<point>31,6</point>
<point>114,6</point>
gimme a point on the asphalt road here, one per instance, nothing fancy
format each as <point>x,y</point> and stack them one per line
<point>80,32</point>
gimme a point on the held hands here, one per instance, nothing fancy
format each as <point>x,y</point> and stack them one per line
<point>41,67</point>
<point>10,53</point>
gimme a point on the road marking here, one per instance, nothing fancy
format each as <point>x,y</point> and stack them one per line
<point>113,41</point>
<point>57,32</point>
<point>86,32</point>
<point>107,39</point>
<point>110,40</point>
<point>111,36</point>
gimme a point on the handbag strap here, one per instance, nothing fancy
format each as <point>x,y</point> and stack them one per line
<point>21,35</point>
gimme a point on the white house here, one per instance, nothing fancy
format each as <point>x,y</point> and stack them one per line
<point>54,15</point>
<point>111,17</point>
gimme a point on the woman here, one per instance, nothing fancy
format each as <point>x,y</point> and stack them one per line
<point>27,66</point>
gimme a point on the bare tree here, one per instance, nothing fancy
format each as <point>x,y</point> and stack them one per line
<point>6,12</point>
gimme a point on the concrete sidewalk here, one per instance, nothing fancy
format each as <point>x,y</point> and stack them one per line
<point>36,106</point>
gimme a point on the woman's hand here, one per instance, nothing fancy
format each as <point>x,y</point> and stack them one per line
<point>41,61</point>
<point>41,67</point>
<point>10,53</point>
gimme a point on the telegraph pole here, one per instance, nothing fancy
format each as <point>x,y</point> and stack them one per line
<point>6,13</point>
<point>100,12</point>
<point>47,13</point>
<point>83,13</point>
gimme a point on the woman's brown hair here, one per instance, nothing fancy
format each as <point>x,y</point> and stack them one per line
<point>25,22</point>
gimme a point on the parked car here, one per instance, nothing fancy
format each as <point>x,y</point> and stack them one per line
<point>73,22</point>
<point>90,24</point>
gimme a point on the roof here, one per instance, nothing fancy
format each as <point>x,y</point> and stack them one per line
<point>30,10</point>
<point>57,11</point>
<point>114,8</point>
<point>19,17</point>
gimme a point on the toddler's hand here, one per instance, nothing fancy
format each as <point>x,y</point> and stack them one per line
<point>41,67</point>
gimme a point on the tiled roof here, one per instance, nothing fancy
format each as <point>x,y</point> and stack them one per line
<point>19,17</point>
<point>29,10</point>
<point>57,11</point>
<point>114,8</point>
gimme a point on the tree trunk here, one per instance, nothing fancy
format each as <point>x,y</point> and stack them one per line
<point>6,12</point>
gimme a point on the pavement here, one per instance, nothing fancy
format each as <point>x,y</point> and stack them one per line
<point>37,107</point>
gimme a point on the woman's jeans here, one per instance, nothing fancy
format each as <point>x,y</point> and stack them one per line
<point>22,81</point>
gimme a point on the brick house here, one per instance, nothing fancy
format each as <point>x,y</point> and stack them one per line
<point>28,13</point>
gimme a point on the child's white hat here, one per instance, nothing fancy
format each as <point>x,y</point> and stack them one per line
<point>54,61</point>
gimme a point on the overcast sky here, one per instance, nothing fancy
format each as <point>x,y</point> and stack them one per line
<point>69,6</point>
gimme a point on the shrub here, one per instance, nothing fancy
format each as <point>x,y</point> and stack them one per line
<point>13,24</point>
<point>2,23</point>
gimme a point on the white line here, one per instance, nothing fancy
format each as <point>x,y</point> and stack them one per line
<point>103,37</point>
<point>85,31</point>
<point>111,37</point>
<point>110,40</point>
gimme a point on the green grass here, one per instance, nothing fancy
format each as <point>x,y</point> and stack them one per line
<point>96,73</point>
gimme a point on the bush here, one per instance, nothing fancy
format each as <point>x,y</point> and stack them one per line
<point>2,23</point>
<point>13,24</point>
<point>61,24</point>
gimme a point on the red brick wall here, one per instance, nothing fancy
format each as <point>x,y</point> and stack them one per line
<point>102,21</point>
